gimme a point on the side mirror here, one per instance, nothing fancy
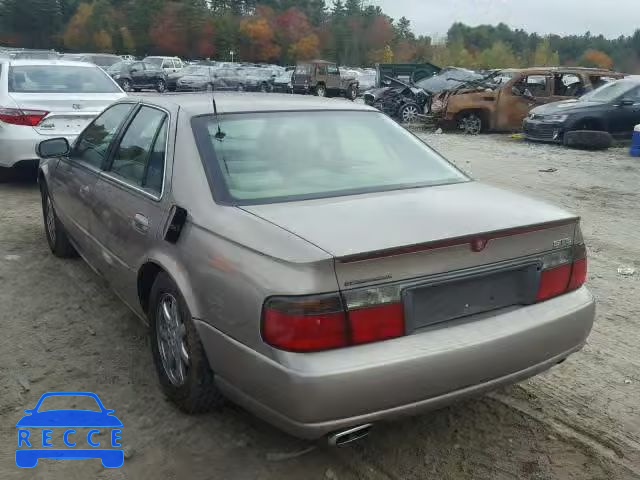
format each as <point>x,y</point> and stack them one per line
<point>627,102</point>
<point>53,148</point>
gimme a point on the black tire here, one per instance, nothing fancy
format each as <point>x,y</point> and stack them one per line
<point>57,237</point>
<point>351,93</point>
<point>126,85</point>
<point>197,393</point>
<point>321,90</point>
<point>137,89</point>
<point>588,139</point>
<point>161,86</point>
<point>6,174</point>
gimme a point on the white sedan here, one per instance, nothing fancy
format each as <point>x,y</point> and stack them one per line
<point>42,99</point>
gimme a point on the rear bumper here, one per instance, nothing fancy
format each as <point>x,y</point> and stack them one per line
<point>310,395</point>
<point>19,144</point>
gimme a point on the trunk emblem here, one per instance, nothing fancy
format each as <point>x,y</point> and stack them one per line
<point>478,244</point>
<point>76,106</point>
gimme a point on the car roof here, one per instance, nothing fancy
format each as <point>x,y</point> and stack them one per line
<point>230,102</point>
<point>595,71</point>
<point>48,62</point>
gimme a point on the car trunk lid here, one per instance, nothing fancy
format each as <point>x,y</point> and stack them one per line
<point>68,114</point>
<point>427,232</point>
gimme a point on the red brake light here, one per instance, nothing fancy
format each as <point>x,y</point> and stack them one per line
<point>554,282</point>
<point>305,324</point>
<point>376,323</point>
<point>16,116</point>
<point>578,274</point>
<point>564,278</point>
<point>316,323</point>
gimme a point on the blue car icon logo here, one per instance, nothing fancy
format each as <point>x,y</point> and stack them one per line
<point>42,433</point>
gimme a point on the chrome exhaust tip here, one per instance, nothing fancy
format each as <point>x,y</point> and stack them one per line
<point>348,436</point>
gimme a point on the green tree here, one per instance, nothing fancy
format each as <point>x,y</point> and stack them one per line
<point>545,56</point>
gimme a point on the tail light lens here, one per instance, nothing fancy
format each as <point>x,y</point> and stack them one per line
<point>16,116</point>
<point>563,272</point>
<point>316,323</point>
<point>305,324</point>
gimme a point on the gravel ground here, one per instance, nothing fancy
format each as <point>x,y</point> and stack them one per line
<point>63,329</point>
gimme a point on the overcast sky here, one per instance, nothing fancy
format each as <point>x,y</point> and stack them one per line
<point>434,17</point>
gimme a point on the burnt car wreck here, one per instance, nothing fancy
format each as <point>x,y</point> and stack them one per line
<point>501,101</point>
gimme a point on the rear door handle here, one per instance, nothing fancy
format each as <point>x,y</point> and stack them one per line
<point>140,223</point>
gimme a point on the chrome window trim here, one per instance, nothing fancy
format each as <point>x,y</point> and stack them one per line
<point>135,188</point>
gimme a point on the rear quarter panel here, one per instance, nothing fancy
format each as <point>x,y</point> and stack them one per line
<point>228,261</point>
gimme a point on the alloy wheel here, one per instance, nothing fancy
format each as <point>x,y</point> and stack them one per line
<point>161,86</point>
<point>126,85</point>
<point>409,113</point>
<point>321,91</point>
<point>171,337</point>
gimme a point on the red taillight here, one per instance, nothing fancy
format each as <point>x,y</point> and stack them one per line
<point>578,274</point>
<point>16,116</point>
<point>316,323</point>
<point>380,322</point>
<point>554,282</point>
<point>564,278</point>
<point>305,324</point>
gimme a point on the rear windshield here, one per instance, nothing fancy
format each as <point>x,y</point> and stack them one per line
<point>610,91</point>
<point>59,79</point>
<point>276,157</point>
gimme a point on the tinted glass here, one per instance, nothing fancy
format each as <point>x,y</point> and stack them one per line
<point>155,165</point>
<point>157,61</point>
<point>117,67</point>
<point>134,152</point>
<point>59,79</point>
<point>368,152</point>
<point>610,91</point>
<point>92,144</point>
<point>105,61</point>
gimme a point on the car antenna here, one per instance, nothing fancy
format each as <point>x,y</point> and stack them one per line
<point>219,134</point>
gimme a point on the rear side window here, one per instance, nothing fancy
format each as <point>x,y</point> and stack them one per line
<point>332,69</point>
<point>59,79</point>
<point>139,159</point>
<point>93,144</point>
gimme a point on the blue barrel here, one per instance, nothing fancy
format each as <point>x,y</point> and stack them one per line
<point>635,142</point>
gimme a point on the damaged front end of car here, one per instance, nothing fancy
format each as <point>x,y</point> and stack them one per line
<point>401,101</point>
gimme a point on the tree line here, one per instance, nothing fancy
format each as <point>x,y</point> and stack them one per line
<point>283,31</point>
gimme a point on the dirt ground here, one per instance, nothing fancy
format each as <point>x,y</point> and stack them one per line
<point>62,329</point>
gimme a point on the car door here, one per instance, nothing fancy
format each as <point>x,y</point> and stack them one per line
<point>129,197</point>
<point>74,180</point>
<point>625,113</point>
<point>333,77</point>
<point>138,74</point>
<point>518,97</point>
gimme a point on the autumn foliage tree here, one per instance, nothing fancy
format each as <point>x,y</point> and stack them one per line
<point>259,37</point>
<point>596,58</point>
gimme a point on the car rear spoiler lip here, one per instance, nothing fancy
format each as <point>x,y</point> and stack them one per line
<point>455,241</point>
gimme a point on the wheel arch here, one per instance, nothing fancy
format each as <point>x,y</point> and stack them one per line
<point>588,123</point>
<point>149,271</point>
<point>483,113</point>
